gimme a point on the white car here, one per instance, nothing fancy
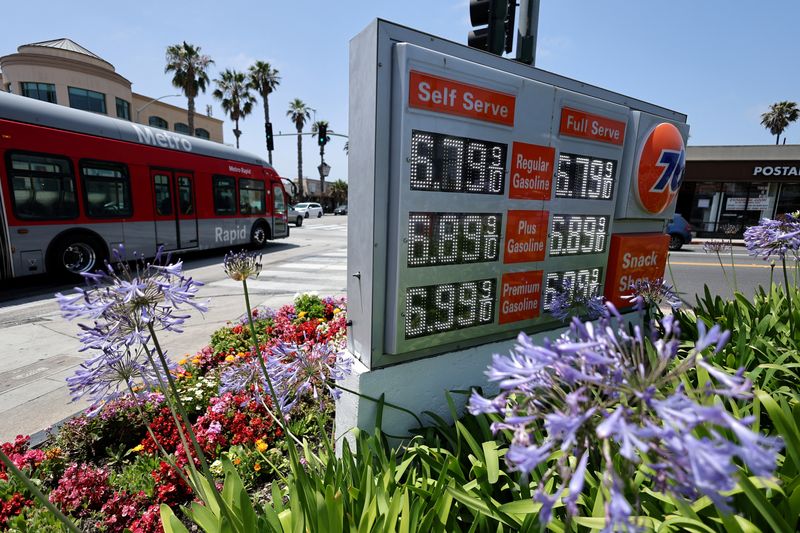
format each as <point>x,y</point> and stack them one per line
<point>309,209</point>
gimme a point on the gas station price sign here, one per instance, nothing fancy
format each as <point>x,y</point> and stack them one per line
<point>498,189</point>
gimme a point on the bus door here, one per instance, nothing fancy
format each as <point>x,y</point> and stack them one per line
<point>280,225</point>
<point>175,213</point>
<point>5,247</point>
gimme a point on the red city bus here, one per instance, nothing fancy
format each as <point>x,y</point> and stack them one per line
<point>75,184</point>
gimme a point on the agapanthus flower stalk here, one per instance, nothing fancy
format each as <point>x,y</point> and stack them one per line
<point>607,389</point>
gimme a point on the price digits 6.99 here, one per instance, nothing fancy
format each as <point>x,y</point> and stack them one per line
<point>580,176</point>
<point>578,234</point>
<point>584,282</point>
<point>453,238</point>
<point>456,164</point>
<point>449,306</point>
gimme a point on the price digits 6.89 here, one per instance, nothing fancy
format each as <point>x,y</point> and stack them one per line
<point>450,306</point>
<point>584,282</point>
<point>578,234</point>
<point>585,177</point>
<point>452,238</point>
<point>456,164</point>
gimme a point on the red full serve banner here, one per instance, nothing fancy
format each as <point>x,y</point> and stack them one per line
<point>576,123</point>
<point>531,171</point>
<point>442,95</point>
<point>631,258</point>
<point>520,296</point>
<point>526,236</point>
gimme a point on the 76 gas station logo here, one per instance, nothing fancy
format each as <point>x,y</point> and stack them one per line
<point>674,163</point>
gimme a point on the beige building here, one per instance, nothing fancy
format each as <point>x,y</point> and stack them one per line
<point>65,73</point>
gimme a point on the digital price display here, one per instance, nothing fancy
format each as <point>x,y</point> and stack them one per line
<point>584,282</point>
<point>450,306</point>
<point>448,163</point>
<point>453,238</point>
<point>578,234</point>
<point>585,177</point>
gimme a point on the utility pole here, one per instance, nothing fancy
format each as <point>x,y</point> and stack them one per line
<point>528,29</point>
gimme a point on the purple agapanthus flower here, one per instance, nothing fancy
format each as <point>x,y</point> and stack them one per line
<point>294,370</point>
<point>567,302</point>
<point>653,294</point>
<point>242,265</point>
<point>608,387</point>
<point>774,237</point>
<point>124,302</point>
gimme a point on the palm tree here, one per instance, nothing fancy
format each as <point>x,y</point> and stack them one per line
<point>299,113</point>
<point>778,118</point>
<point>264,79</point>
<point>314,130</point>
<point>234,93</point>
<point>189,66</point>
<point>339,191</point>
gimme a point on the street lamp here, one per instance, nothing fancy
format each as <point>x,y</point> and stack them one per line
<point>324,169</point>
<point>154,100</point>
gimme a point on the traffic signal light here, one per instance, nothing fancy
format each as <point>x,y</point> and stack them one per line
<point>322,135</point>
<point>493,23</point>
<point>270,140</point>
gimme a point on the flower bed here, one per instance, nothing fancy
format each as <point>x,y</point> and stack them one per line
<point>105,470</point>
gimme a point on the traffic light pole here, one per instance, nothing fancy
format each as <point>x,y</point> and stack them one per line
<point>528,29</point>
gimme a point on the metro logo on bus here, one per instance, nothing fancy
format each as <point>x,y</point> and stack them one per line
<point>662,160</point>
<point>164,139</point>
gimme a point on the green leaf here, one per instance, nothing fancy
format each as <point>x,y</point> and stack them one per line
<point>767,510</point>
<point>492,461</point>
<point>169,521</point>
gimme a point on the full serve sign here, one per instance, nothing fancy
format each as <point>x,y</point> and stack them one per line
<point>503,190</point>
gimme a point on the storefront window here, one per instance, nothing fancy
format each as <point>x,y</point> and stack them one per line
<point>789,199</point>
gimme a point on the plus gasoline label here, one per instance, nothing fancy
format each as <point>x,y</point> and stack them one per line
<point>659,174</point>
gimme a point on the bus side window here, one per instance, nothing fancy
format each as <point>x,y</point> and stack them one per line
<point>224,194</point>
<point>43,186</point>
<point>106,189</point>
<point>252,197</point>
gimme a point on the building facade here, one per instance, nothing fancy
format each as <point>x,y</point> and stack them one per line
<point>65,73</point>
<point>728,188</point>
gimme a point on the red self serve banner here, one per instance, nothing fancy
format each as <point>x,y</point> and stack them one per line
<point>531,171</point>
<point>520,296</point>
<point>631,258</point>
<point>442,95</point>
<point>576,123</point>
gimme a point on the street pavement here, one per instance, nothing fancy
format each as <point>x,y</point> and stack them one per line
<point>691,268</point>
<point>40,349</point>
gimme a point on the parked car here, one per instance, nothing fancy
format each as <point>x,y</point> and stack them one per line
<point>295,216</point>
<point>309,209</point>
<point>679,231</point>
<point>341,210</point>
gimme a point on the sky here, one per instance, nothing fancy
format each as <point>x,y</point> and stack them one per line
<point>721,62</point>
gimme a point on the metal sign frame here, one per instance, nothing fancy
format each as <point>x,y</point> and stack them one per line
<point>380,127</point>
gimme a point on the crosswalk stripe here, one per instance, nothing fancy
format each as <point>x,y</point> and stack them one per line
<point>329,286</point>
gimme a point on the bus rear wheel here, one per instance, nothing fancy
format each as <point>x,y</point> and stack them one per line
<point>259,235</point>
<point>75,255</point>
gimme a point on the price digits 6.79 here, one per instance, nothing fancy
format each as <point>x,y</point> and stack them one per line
<point>448,163</point>
<point>449,306</point>
<point>585,177</point>
<point>452,238</point>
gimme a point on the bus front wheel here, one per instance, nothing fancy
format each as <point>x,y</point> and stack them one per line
<point>75,255</point>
